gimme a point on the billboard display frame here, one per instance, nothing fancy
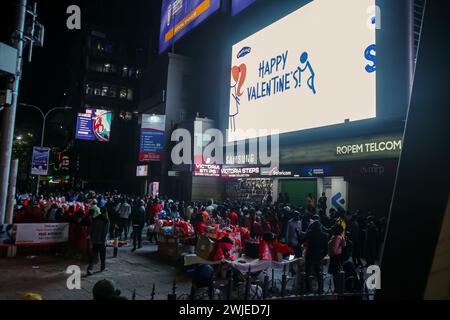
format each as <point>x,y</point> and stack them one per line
<point>307,67</point>
<point>94,125</point>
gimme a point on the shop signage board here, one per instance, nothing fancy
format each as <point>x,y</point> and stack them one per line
<point>42,233</point>
<point>353,149</point>
<point>240,172</point>
<point>207,170</point>
<point>316,171</point>
<point>275,172</point>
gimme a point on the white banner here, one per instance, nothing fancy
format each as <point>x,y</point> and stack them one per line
<point>42,233</point>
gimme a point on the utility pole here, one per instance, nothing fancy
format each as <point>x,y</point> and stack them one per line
<point>9,114</point>
<point>33,35</point>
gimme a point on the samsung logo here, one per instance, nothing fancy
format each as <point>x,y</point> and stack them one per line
<point>244,51</point>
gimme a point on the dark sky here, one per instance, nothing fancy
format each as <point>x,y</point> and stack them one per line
<point>46,78</point>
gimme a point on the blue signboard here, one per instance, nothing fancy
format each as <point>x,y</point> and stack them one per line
<point>152,138</point>
<point>178,17</point>
<point>316,171</point>
<point>239,5</point>
<point>40,160</point>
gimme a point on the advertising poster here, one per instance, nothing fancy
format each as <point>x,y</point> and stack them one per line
<point>325,74</point>
<point>142,171</point>
<point>154,189</point>
<point>178,17</point>
<point>239,5</point>
<point>152,138</point>
<point>40,161</point>
<point>94,125</point>
<point>42,233</point>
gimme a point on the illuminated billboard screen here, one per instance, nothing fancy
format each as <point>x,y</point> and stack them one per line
<point>178,17</point>
<point>312,68</point>
<point>94,125</point>
<point>239,5</point>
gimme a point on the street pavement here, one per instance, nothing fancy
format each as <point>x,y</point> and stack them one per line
<point>46,275</point>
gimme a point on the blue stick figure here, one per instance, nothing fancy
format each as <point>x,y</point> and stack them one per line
<point>304,60</point>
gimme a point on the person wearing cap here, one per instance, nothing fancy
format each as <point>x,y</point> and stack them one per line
<point>98,232</point>
<point>106,290</point>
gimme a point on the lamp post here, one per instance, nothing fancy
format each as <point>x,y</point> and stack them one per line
<point>44,120</point>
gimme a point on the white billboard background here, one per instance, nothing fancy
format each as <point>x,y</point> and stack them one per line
<point>335,35</point>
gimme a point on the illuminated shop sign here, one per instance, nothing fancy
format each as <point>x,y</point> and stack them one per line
<point>207,170</point>
<point>244,172</point>
<point>370,147</point>
<point>275,172</point>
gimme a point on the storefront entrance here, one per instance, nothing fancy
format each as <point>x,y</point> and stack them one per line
<point>298,190</point>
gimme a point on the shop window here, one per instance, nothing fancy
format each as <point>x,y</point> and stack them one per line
<point>97,91</point>
<point>130,94</point>
<point>109,47</point>
<point>123,93</point>
<point>125,71</point>
<point>88,89</point>
<point>126,93</point>
<point>109,91</point>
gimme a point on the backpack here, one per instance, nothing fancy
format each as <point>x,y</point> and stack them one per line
<point>333,246</point>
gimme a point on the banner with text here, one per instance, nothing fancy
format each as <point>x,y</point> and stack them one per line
<point>40,160</point>
<point>152,138</point>
<point>42,233</point>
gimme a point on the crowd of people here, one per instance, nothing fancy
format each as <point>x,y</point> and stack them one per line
<point>350,239</point>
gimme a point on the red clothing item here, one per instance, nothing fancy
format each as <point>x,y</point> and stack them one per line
<point>33,215</point>
<point>258,230</point>
<point>223,252</point>
<point>266,227</point>
<point>335,246</point>
<point>233,218</point>
<point>200,228</point>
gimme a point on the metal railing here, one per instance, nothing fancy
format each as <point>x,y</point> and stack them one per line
<point>300,287</point>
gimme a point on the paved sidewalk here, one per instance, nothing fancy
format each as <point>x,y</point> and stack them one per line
<point>46,275</point>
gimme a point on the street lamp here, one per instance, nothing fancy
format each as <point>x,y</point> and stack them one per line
<point>44,119</point>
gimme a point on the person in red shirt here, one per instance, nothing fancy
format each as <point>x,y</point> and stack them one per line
<point>258,228</point>
<point>199,224</point>
<point>233,216</point>
<point>222,250</point>
<point>33,214</point>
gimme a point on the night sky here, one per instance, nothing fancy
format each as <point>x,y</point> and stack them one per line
<point>46,79</point>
